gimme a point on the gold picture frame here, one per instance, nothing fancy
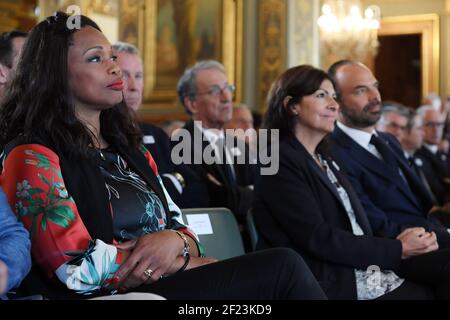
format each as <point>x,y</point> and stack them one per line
<point>427,25</point>
<point>161,75</point>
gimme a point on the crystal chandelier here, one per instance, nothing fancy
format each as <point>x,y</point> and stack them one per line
<point>346,32</point>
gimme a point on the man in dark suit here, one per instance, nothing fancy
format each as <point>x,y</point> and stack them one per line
<point>185,189</point>
<point>435,165</point>
<point>220,160</point>
<point>392,195</point>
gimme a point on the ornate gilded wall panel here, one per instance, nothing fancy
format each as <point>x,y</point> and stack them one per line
<point>131,28</point>
<point>180,32</point>
<point>272,44</point>
<point>17,15</point>
<point>303,32</point>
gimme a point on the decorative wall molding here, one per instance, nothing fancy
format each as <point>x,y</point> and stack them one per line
<point>272,44</point>
<point>131,22</point>
<point>303,32</point>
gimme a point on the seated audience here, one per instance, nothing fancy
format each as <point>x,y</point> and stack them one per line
<point>310,206</point>
<point>242,119</point>
<point>412,141</point>
<point>435,163</point>
<point>183,185</point>
<point>15,260</point>
<point>90,194</point>
<point>207,96</point>
<point>392,195</point>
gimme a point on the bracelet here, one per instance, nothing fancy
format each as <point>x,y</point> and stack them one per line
<point>185,251</point>
<point>180,179</point>
<point>187,257</point>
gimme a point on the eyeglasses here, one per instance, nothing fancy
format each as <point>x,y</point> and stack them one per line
<point>396,126</point>
<point>433,124</point>
<point>216,90</point>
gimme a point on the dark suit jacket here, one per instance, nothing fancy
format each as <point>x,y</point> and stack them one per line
<point>300,208</point>
<point>158,143</point>
<point>238,197</point>
<point>388,201</point>
<point>435,171</point>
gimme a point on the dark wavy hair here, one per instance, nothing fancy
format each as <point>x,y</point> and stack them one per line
<point>38,104</point>
<point>296,83</point>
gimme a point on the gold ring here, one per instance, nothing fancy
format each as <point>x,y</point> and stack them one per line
<point>148,273</point>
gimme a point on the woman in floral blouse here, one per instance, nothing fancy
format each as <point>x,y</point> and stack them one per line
<point>99,218</point>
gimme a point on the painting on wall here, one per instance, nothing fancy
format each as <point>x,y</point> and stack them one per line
<point>187,31</point>
<point>179,33</point>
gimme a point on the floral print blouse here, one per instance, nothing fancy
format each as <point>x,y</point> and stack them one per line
<point>61,244</point>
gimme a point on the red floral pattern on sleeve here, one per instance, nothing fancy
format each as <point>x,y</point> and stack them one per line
<point>61,244</point>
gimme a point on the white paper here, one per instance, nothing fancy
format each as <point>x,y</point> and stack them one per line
<point>200,223</point>
<point>148,139</point>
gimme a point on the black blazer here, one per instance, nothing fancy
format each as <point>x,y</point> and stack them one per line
<point>435,170</point>
<point>299,208</point>
<point>389,202</point>
<point>158,143</point>
<point>238,198</point>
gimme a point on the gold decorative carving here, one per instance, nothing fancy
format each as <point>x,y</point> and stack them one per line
<point>272,43</point>
<point>131,22</point>
<point>162,71</point>
<point>302,33</point>
<point>104,7</point>
<point>17,15</point>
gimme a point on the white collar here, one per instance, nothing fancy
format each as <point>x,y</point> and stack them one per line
<point>360,137</point>
<point>211,134</point>
<point>432,147</point>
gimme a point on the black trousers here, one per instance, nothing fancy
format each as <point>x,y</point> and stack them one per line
<point>427,277</point>
<point>410,291</point>
<point>263,275</point>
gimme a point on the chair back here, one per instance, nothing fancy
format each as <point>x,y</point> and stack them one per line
<point>251,227</point>
<point>217,230</point>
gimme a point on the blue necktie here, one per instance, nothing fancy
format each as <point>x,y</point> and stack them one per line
<point>385,151</point>
<point>226,167</point>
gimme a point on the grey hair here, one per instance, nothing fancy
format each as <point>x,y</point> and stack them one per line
<point>414,120</point>
<point>424,109</point>
<point>125,47</point>
<point>187,86</point>
<point>396,108</point>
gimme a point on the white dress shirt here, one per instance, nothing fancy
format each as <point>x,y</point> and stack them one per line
<point>213,136</point>
<point>361,137</point>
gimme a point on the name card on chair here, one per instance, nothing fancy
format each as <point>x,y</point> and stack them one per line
<point>200,223</point>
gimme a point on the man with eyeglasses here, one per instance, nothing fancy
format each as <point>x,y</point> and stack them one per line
<point>435,163</point>
<point>394,120</point>
<point>207,97</point>
<point>11,44</point>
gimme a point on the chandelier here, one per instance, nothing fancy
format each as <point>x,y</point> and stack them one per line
<point>346,32</point>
